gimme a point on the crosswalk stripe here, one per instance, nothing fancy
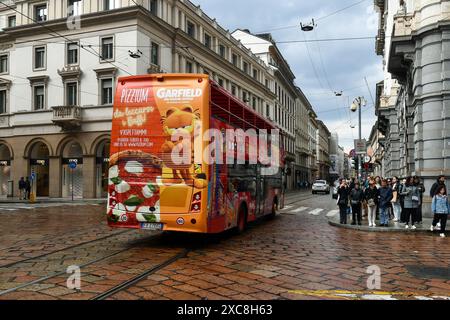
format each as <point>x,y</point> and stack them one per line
<point>287,207</point>
<point>300,209</point>
<point>316,212</point>
<point>332,213</point>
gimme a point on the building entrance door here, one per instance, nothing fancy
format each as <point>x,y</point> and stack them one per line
<point>72,176</point>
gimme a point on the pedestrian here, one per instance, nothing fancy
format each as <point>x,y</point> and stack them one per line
<point>396,207</point>
<point>371,195</point>
<point>411,203</point>
<point>342,201</point>
<point>22,188</point>
<point>440,182</point>
<point>384,203</point>
<point>27,188</point>
<point>421,188</point>
<point>356,199</point>
<point>441,209</point>
<point>402,201</point>
<point>378,182</point>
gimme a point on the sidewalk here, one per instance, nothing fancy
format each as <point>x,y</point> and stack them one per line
<point>393,226</point>
<point>52,200</point>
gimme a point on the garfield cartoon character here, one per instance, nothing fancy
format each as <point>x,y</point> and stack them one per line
<point>181,121</point>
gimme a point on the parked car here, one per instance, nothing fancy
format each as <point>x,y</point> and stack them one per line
<point>320,186</point>
<point>335,188</point>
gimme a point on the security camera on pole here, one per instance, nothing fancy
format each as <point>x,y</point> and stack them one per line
<point>360,145</point>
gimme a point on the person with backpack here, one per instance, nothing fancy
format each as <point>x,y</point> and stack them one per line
<point>421,188</point>
<point>356,199</point>
<point>22,187</point>
<point>440,182</point>
<point>342,201</point>
<point>371,195</point>
<point>411,203</point>
<point>384,203</point>
<point>441,209</point>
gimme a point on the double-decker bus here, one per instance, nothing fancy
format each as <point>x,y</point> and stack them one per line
<point>173,166</point>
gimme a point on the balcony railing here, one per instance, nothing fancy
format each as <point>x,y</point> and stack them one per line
<point>67,117</point>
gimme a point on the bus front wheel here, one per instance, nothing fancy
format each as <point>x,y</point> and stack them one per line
<point>273,213</point>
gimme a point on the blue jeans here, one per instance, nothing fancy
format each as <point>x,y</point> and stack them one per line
<point>384,215</point>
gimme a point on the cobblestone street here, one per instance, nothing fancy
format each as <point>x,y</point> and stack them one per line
<point>298,255</point>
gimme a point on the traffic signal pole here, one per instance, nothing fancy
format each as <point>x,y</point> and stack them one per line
<point>360,137</point>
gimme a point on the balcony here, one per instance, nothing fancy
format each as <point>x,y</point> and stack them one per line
<point>154,69</point>
<point>380,42</point>
<point>403,24</point>
<point>67,117</point>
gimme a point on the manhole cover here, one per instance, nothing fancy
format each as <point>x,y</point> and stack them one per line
<point>429,272</point>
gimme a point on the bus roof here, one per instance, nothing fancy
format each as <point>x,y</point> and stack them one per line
<point>224,104</point>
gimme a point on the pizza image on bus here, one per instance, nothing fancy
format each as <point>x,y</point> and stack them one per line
<point>159,178</point>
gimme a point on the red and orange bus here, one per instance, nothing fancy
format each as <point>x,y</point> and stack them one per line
<point>149,189</point>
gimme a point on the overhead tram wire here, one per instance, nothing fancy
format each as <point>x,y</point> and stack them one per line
<point>319,19</point>
<point>61,36</point>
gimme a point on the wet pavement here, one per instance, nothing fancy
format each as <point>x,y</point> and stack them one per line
<point>297,255</point>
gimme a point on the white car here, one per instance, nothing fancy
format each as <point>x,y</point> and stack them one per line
<point>320,186</point>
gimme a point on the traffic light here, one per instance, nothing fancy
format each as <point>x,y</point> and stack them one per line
<point>355,163</point>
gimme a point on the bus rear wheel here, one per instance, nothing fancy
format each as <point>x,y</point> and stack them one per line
<point>242,220</point>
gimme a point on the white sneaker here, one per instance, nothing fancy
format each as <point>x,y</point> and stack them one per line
<point>406,227</point>
<point>414,227</point>
<point>438,225</point>
<point>432,228</point>
<point>442,235</point>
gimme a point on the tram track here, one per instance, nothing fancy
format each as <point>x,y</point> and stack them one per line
<point>9,265</point>
<point>138,278</point>
<point>63,272</point>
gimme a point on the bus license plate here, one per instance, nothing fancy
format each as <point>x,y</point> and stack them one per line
<point>152,226</point>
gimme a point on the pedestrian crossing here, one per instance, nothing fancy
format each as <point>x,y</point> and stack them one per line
<point>290,210</point>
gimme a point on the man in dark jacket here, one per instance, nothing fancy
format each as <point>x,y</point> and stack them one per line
<point>356,199</point>
<point>22,187</point>
<point>27,188</point>
<point>440,182</point>
<point>384,202</point>
<point>342,202</point>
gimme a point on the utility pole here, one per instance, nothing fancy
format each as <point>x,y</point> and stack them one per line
<point>358,103</point>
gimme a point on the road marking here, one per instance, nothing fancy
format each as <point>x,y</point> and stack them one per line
<point>300,209</point>
<point>287,207</point>
<point>316,212</point>
<point>332,213</point>
<point>423,298</point>
<point>377,297</point>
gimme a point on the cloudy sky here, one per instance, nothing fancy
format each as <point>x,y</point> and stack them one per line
<point>330,65</point>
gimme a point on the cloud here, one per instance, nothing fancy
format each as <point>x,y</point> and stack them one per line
<point>329,66</point>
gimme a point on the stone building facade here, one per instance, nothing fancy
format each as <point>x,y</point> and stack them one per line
<point>414,41</point>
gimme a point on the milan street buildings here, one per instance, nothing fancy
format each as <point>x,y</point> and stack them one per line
<point>412,135</point>
<point>59,66</point>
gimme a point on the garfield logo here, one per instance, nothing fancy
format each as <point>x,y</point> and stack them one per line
<point>181,122</point>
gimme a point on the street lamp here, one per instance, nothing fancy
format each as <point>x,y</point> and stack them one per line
<point>357,104</point>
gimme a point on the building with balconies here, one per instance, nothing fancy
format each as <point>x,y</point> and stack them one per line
<point>284,109</point>
<point>416,56</point>
<point>323,151</point>
<point>59,67</point>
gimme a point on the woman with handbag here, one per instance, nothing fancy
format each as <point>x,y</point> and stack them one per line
<point>411,203</point>
<point>372,195</point>
<point>396,199</point>
<point>342,201</point>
